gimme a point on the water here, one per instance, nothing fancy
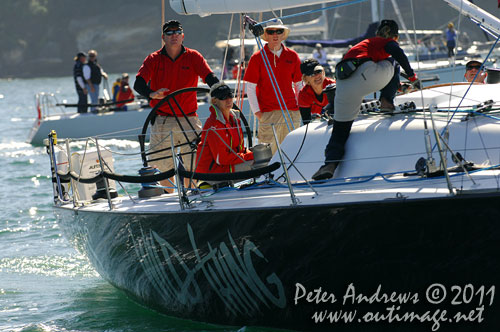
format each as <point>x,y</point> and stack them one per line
<point>45,285</point>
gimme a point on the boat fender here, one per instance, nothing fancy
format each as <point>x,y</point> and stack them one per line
<point>149,189</point>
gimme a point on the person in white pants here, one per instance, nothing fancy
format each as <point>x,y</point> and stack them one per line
<point>367,67</point>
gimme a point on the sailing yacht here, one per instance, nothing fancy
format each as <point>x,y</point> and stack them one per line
<point>405,236</point>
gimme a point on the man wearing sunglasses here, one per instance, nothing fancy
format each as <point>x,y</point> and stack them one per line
<point>264,96</point>
<point>473,68</point>
<point>167,70</point>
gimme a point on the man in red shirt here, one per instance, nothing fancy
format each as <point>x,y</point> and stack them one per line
<point>264,100</point>
<point>167,70</point>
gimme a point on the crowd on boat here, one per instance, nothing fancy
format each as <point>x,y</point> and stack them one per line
<point>283,93</point>
<point>88,75</point>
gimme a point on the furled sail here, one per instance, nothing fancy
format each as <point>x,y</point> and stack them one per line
<point>208,7</point>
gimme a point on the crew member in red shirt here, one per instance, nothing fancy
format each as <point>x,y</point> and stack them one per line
<point>124,93</point>
<point>263,99</point>
<point>167,70</point>
<point>371,66</point>
<point>312,99</point>
<point>222,146</point>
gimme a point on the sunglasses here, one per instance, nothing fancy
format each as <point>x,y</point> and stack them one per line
<point>225,96</point>
<point>172,32</point>
<point>316,72</point>
<point>473,67</point>
<point>277,31</point>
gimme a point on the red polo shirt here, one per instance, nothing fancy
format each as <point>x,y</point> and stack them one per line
<point>307,97</point>
<point>369,48</point>
<point>174,74</point>
<point>286,70</point>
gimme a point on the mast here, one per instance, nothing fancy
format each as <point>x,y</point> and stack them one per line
<point>403,25</point>
<point>375,15</point>
<point>325,22</point>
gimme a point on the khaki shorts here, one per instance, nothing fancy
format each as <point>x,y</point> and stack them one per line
<point>160,140</point>
<point>265,134</point>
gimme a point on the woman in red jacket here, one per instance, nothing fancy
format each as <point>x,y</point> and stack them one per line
<point>222,145</point>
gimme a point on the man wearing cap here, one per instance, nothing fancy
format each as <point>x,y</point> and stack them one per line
<point>167,70</point>
<point>367,67</point>
<point>312,100</point>
<point>473,68</point>
<point>222,146</point>
<point>263,96</point>
<point>81,90</point>
<point>93,74</point>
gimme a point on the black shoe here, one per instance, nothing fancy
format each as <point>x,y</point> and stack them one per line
<point>386,105</point>
<point>325,172</point>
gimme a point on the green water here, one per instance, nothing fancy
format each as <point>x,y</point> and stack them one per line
<point>45,285</point>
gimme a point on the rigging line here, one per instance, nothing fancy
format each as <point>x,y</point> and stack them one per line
<point>241,66</point>
<point>484,28</point>
<point>274,83</point>
<point>454,62</point>
<point>276,88</point>
<point>484,146</point>
<point>227,48</point>
<point>454,95</point>
<point>427,139</point>
<point>313,11</point>
<point>298,152</point>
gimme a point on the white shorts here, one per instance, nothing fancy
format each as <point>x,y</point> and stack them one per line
<point>368,78</point>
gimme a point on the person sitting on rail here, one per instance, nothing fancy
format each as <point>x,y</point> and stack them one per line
<point>222,146</point>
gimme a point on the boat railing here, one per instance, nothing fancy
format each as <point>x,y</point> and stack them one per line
<point>147,180</point>
<point>47,104</point>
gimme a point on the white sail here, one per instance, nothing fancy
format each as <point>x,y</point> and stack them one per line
<point>208,7</point>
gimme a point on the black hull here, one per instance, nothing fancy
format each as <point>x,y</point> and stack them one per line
<point>245,267</point>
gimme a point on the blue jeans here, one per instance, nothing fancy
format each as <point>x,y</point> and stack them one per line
<point>94,96</point>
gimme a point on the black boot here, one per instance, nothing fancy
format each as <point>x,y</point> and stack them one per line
<point>325,172</point>
<point>334,150</point>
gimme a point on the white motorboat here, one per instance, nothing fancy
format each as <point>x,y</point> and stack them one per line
<point>51,115</point>
<point>107,122</point>
<point>413,207</point>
